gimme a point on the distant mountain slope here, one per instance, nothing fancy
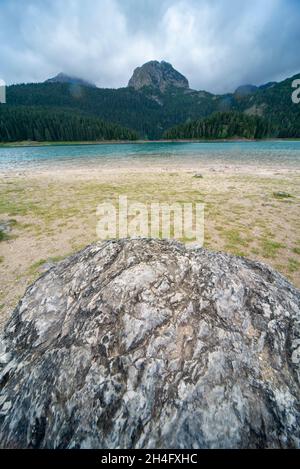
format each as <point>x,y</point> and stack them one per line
<point>245,90</point>
<point>55,125</point>
<point>159,98</point>
<point>223,126</point>
<point>63,78</point>
<point>275,103</point>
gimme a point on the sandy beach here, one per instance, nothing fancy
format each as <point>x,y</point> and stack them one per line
<point>52,212</point>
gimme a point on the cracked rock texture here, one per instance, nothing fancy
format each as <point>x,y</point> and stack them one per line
<point>148,344</point>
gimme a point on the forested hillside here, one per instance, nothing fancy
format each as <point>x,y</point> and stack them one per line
<point>275,103</point>
<point>149,111</point>
<point>223,126</point>
<point>40,124</point>
<point>153,109</point>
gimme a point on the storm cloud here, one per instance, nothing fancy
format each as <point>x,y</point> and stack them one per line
<point>217,44</point>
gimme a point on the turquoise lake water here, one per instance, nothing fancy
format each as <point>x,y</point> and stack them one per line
<point>269,153</point>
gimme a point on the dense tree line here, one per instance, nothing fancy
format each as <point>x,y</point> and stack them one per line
<point>150,113</point>
<point>56,125</point>
<point>223,125</point>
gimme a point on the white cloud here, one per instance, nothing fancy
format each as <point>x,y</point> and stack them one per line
<point>217,44</point>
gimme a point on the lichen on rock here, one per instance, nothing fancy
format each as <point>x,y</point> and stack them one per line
<point>150,344</point>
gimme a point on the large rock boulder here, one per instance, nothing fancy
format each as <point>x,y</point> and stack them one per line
<point>145,343</point>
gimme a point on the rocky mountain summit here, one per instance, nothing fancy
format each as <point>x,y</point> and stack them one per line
<point>63,78</point>
<point>149,344</point>
<point>159,75</point>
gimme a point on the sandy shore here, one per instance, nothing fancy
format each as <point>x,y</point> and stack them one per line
<point>52,212</point>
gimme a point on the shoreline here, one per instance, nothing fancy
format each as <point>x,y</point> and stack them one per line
<point>30,144</point>
<point>53,214</point>
<point>92,171</point>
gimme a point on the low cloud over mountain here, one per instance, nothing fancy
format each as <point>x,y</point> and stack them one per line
<point>218,44</point>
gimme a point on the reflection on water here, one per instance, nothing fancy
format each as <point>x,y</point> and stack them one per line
<point>279,153</point>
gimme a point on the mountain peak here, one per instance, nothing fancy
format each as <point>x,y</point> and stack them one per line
<point>245,90</point>
<point>64,78</point>
<point>160,75</point>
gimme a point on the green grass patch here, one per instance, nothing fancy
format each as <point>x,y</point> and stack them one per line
<point>35,267</point>
<point>234,238</point>
<point>3,236</point>
<point>270,248</point>
<point>238,252</point>
<point>282,195</point>
<point>293,265</point>
<point>58,258</point>
<point>16,208</point>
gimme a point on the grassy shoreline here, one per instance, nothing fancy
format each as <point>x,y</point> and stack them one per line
<point>53,213</point>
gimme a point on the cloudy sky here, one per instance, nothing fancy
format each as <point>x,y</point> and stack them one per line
<point>216,44</point>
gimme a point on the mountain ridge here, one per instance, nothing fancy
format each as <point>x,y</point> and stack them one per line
<point>64,78</point>
<point>156,107</point>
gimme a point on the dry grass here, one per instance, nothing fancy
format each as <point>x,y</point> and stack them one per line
<point>55,215</point>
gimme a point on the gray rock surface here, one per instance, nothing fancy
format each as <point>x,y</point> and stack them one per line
<point>6,226</point>
<point>145,343</point>
<point>159,75</point>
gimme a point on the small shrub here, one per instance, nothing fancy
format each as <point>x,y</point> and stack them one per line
<point>282,195</point>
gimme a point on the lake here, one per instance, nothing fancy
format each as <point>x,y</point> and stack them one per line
<point>266,153</point>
